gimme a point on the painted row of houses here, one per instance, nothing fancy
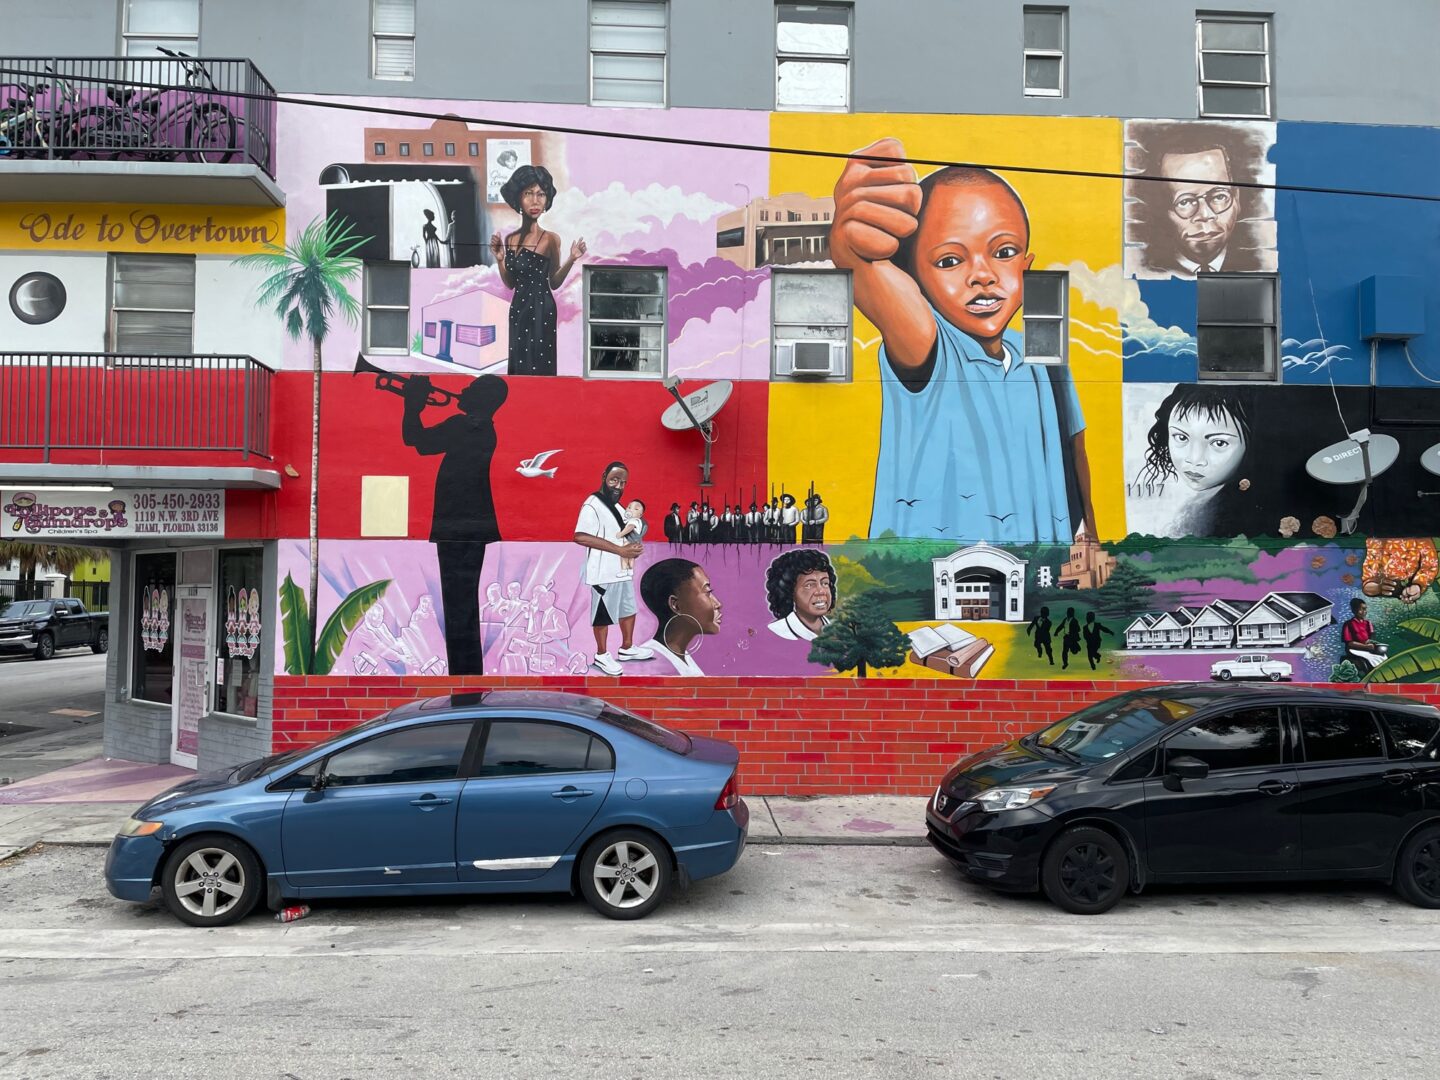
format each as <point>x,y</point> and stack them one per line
<point>1276,620</point>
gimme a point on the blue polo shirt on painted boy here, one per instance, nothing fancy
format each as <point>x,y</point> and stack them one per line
<point>980,449</point>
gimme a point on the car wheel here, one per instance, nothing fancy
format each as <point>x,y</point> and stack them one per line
<point>1275,676</point>
<point>102,642</point>
<point>44,647</point>
<point>1085,871</point>
<point>1225,675</point>
<point>625,874</point>
<point>211,881</point>
<point>1417,874</point>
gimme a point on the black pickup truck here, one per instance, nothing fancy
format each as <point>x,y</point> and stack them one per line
<point>42,626</point>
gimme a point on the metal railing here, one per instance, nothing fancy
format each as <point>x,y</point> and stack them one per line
<point>152,108</point>
<point>104,401</point>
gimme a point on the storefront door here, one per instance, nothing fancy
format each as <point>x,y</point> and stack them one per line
<point>191,697</point>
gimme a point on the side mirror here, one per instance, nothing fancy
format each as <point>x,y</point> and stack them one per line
<point>1183,768</point>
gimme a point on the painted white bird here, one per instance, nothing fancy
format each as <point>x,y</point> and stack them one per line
<point>532,467</point>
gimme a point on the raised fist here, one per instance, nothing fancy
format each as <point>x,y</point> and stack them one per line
<point>875,206</point>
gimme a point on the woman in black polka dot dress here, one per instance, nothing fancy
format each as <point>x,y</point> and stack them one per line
<point>529,262</point>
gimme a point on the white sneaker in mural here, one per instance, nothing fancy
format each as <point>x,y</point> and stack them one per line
<point>606,663</point>
<point>635,652</point>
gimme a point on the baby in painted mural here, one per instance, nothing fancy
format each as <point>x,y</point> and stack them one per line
<point>1201,438</point>
<point>634,528</point>
<point>975,443</point>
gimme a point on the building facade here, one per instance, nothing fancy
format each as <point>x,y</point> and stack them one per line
<point>912,387</point>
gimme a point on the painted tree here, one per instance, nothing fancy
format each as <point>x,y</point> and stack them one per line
<point>1127,591</point>
<point>61,558</point>
<point>860,636</point>
<point>306,287</point>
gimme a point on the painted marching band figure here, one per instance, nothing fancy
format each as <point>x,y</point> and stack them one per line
<point>813,519</point>
<point>674,525</point>
<point>692,524</point>
<point>599,529</point>
<point>789,519</point>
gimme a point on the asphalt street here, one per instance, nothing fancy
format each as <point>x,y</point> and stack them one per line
<point>31,691</point>
<point>803,961</point>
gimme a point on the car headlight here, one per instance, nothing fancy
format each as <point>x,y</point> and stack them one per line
<point>136,827</point>
<point>1012,798</point>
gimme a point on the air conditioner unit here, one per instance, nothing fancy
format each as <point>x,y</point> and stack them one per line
<point>810,358</point>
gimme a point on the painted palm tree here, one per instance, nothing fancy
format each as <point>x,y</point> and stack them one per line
<point>307,288</point>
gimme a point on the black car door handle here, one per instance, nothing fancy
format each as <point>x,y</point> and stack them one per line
<point>429,802</point>
<point>1275,787</point>
<point>1400,777</point>
<point>571,793</point>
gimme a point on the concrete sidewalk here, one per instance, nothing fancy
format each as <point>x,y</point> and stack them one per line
<point>70,794</point>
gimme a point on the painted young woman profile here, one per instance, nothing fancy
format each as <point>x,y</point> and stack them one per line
<point>679,595</point>
<point>1200,442</point>
<point>529,262</point>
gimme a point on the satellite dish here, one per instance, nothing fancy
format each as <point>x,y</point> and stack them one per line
<point>1344,462</point>
<point>1430,460</point>
<point>697,408</point>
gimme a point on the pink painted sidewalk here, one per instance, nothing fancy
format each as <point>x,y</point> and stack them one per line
<point>101,780</point>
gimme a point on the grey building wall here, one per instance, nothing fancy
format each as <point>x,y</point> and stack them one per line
<point>1126,57</point>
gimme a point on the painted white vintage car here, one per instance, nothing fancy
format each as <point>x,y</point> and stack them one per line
<point>1250,666</point>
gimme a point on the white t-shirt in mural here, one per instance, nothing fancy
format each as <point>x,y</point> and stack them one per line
<point>602,567</point>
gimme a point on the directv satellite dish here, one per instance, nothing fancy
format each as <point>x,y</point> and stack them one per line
<point>1430,460</point>
<point>697,410</point>
<point>1345,462</point>
<point>1356,460</point>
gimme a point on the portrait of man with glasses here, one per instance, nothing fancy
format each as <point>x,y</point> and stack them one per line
<point>1197,220</point>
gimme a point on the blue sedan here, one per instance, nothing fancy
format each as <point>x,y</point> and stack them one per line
<point>496,792</point>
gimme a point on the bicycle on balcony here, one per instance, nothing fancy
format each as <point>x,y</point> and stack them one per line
<point>32,127</point>
<point>168,125</point>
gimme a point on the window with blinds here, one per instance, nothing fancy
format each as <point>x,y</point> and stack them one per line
<point>392,37</point>
<point>628,43</point>
<point>175,24</point>
<point>152,305</point>
<point>812,57</point>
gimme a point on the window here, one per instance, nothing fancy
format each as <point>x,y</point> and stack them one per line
<point>810,333</point>
<point>1233,53</point>
<point>1410,733</point>
<point>525,748</point>
<point>379,149</point>
<point>1045,51</point>
<point>449,149</point>
<point>676,742</point>
<point>1047,316</point>
<point>153,617</point>
<point>404,149</point>
<point>152,304</point>
<point>625,321</point>
<point>1247,739</point>
<point>392,39</point>
<point>237,634</point>
<point>474,149</point>
<point>175,24</point>
<point>812,57</point>
<point>1339,734</point>
<point>628,43</point>
<point>1236,326</point>
<point>428,149</point>
<point>415,755</point>
<point>387,307</point>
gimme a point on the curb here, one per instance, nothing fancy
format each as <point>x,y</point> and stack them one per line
<point>840,841</point>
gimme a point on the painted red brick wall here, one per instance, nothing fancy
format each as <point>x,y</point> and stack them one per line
<point>796,736</point>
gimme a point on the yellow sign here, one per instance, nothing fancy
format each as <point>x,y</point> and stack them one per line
<point>170,229</point>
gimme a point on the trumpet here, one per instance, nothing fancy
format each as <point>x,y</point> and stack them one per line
<point>395,384</point>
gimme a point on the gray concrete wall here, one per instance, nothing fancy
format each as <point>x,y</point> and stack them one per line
<point>134,730</point>
<point>1126,57</point>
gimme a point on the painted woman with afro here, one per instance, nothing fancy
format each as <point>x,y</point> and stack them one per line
<point>529,263</point>
<point>800,590</point>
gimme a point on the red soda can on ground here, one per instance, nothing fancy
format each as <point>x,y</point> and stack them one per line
<point>290,914</point>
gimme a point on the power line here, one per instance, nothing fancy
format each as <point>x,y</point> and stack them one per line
<point>754,148</point>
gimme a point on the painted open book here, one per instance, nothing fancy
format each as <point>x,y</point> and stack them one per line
<point>949,648</point>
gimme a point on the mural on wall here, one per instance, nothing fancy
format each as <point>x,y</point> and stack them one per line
<point>1195,222</point>
<point>428,215</point>
<point>1144,608</point>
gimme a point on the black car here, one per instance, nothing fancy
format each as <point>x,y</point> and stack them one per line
<point>1202,783</point>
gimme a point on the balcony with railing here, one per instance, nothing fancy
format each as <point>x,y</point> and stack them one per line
<point>97,408</point>
<point>206,124</point>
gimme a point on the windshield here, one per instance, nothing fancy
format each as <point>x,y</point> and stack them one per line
<point>675,741</point>
<point>27,609</point>
<point>1100,731</point>
<point>279,761</point>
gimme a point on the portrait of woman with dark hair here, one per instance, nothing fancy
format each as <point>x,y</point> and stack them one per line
<point>1198,455</point>
<point>529,263</point>
<point>678,593</point>
<point>800,590</point>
